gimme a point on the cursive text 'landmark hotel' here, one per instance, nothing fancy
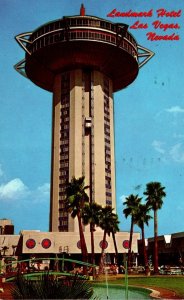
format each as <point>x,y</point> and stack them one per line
<point>82,60</point>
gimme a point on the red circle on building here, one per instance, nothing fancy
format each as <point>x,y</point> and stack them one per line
<point>46,243</point>
<point>103,245</point>
<point>30,243</point>
<point>126,244</point>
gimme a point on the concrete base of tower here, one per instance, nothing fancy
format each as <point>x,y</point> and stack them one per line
<point>36,243</point>
<point>34,251</point>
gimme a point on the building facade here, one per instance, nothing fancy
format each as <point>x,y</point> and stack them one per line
<point>82,60</point>
<point>45,245</point>
<point>83,139</point>
<point>170,250</point>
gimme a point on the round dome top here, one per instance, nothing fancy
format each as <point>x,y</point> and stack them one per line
<point>81,42</point>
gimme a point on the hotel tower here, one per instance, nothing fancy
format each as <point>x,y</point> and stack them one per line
<point>82,60</point>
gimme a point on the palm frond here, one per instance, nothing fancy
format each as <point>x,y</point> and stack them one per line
<point>48,287</point>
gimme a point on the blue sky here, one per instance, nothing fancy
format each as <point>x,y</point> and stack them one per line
<point>149,116</point>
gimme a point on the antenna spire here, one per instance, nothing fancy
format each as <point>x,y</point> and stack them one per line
<point>82,10</point>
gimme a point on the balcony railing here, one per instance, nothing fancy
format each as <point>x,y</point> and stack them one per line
<point>72,29</point>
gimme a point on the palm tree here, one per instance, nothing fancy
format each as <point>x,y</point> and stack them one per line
<point>76,198</point>
<point>109,224</point>
<point>115,228</point>
<point>155,193</point>
<point>5,249</point>
<point>132,202</point>
<point>142,217</point>
<point>91,215</point>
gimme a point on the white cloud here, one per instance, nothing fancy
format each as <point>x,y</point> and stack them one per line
<point>180,208</point>
<point>41,194</point>
<point>1,171</point>
<point>158,146</point>
<point>178,136</point>
<point>175,109</point>
<point>16,190</point>
<point>44,189</point>
<point>13,190</point>
<point>177,152</point>
<point>119,204</point>
<point>174,152</point>
<point>122,198</point>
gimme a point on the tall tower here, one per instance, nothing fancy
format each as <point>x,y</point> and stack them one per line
<point>82,60</point>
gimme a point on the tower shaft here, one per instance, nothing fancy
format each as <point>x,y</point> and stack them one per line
<point>82,60</point>
<point>83,141</point>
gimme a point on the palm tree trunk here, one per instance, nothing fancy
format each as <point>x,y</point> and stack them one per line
<point>115,246</point>
<point>102,253</point>
<point>83,243</point>
<point>92,247</point>
<point>130,243</point>
<point>145,252</point>
<point>116,250</point>
<point>155,242</point>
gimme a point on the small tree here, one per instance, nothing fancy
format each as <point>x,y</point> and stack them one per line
<point>91,215</point>
<point>76,198</point>
<point>142,217</point>
<point>155,194</point>
<point>109,224</point>
<point>132,202</point>
<point>5,249</point>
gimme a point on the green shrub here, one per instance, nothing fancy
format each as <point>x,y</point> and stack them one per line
<point>50,287</point>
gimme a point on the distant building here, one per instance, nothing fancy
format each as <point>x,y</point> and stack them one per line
<point>170,249</point>
<point>6,226</point>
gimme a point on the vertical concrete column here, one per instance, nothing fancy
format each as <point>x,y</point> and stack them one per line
<point>54,203</point>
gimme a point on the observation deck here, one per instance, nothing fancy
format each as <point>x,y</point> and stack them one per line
<point>80,42</point>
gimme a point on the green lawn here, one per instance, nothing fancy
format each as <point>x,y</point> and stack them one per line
<point>174,283</point>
